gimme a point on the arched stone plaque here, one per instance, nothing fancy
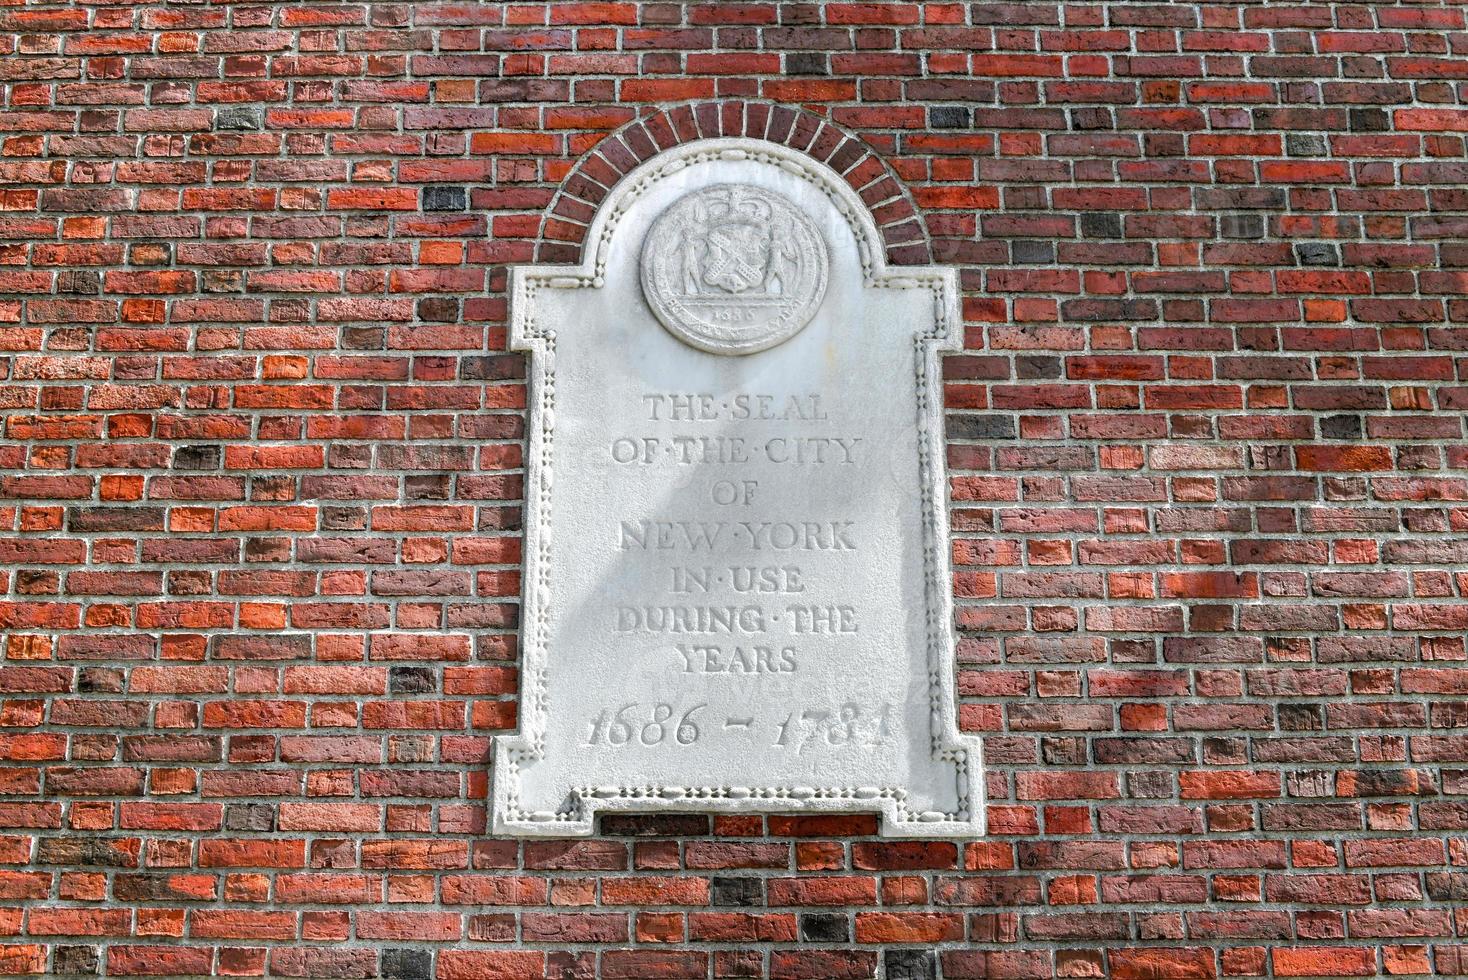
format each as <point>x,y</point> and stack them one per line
<point>737,588</point>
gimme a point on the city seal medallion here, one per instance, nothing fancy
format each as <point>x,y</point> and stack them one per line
<point>733,269</point>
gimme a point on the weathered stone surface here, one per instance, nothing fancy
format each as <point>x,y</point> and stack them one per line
<point>736,583</point>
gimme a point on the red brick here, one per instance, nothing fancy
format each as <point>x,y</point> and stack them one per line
<point>907,927</point>
<point>1154,964</point>
<point>467,964</point>
<point>1324,961</point>
<point>262,490</point>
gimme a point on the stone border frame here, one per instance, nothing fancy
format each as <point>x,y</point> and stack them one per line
<point>947,743</point>
<point>564,228</point>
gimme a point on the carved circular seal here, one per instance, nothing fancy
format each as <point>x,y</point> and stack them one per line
<point>733,269</point>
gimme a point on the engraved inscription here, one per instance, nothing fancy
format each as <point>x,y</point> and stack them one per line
<point>700,596</point>
<point>652,726</point>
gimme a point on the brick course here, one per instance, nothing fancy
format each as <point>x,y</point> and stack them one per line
<point>262,456</point>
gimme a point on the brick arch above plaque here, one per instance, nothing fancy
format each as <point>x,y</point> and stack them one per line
<point>737,587</point>
<point>563,231</point>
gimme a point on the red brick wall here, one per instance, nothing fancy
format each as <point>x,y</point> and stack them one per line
<point>261,484</point>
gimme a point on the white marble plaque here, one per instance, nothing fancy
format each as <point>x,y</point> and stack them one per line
<point>737,590</point>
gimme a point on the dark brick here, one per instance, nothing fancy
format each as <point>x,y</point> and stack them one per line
<point>445,198</point>
<point>736,891</point>
<point>980,427</point>
<point>1317,253</point>
<point>240,117</point>
<point>1027,252</point>
<point>1341,427</point>
<point>412,680</point>
<point>910,964</point>
<point>1033,367</point>
<point>655,825</point>
<point>76,961</point>
<point>807,63</point>
<point>197,457</point>
<point>1101,224</point>
<point>1369,120</point>
<point>825,927</point>
<point>1241,226</point>
<point>1305,145</point>
<point>949,117</point>
<point>407,964</point>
